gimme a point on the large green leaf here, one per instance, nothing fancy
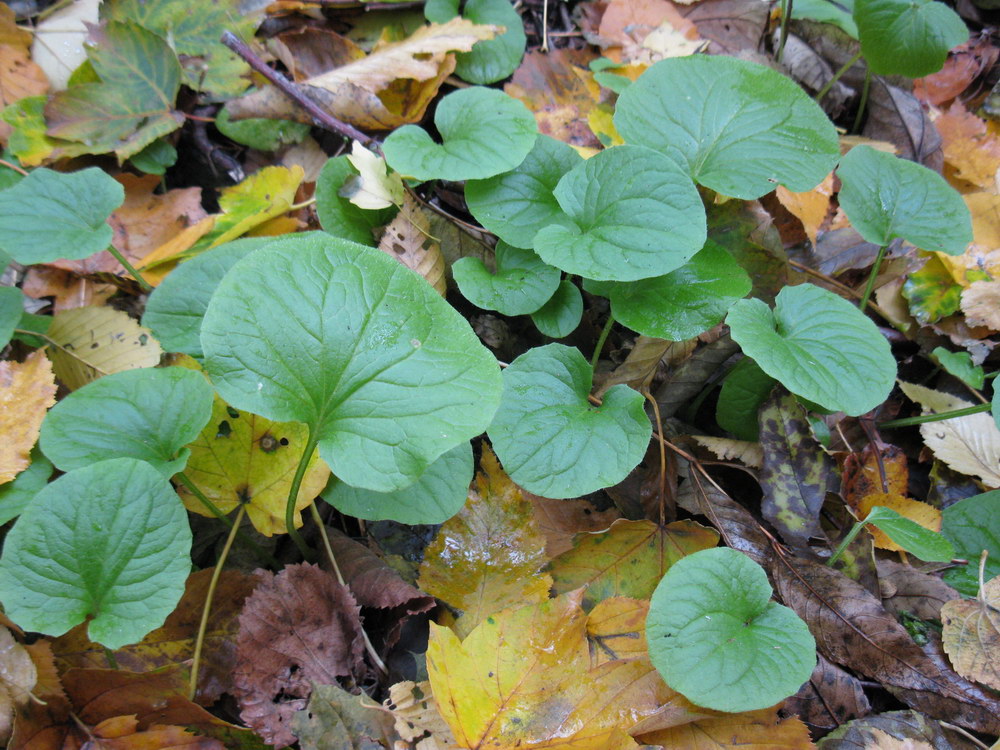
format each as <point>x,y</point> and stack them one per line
<point>910,535</point>
<point>521,285</point>
<point>337,215</point>
<point>683,303</point>
<point>194,32</point>
<point>516,204</point>
<point>634,214</point>
<point>716,638</point>
<point>973,525</point>
<point>737,127</point>
<point>484,132</point>
<point>12,307</point>
<point>132,105</point>
<point>109,542</point>
<point>907,37</point>
<point>51,215</point>
<point>148,413</point>
<point>551,440</point>
<point>817,345</point>
<point>347,340</point>
<point>561,315</point>
<point>743,391</point>
<point>436,496</point>
<point>886,197</point>
<point>490,60</point>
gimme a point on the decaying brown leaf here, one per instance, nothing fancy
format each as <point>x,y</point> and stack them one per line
<point>408,239</point>
<point>904,588</point>
<point>831,697</point>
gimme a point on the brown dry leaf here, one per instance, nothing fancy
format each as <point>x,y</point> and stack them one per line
<point>9,33</point>
<point>751,729</point>
<point>863,473</point>
<point>407,238</point>
<point>811,208</point>
<point>93,341</point>
<point>560,91</point>
<point>628,559</point>
<point>17,680</point>
<point>417,717</point>
<point>522,680</point>
<point>122,733</point>
<point>390,87</point>
<point>172,248</point>
<point>965,63</point>
<point>904,588</point>
<point>726,449</point>
<point>616,629</point>
<point>981,304</point>
<point>19,77</point>
<point>831,697</point>
<point>27,390</point>
<point>897,116</point>
<point>489,556</point>
<point>298,627</point>
<point>970,151</point>
<point>971,635</point>
<point>561,520</point>
<point>68,289</point>
<point>643,361</point>
<point>921,513</point>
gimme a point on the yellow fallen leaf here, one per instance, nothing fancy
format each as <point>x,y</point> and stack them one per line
<point>407,238</point>
<point>811,207</point>
<point>758,729</point>
<point>921,513</point>
<point>161,261</point>
<point>27,390</point>
<point>263,195</point>
<point>971,635</point>
<point>981,259</point>
<point>747,453</point>
<point>616,629</point>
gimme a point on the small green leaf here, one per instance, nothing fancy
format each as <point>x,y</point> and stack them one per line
<point>50,215</point>
<point>910,535</point>
<point>886,197</point>
<point>337,215</point>
<point>973,525</point>
<point>177,306</point>
<point>837,12</point>
<point>15,496</point>
<point>156,158</point>
<point>490,60</point>
<point>907,37</point>
<point>960,365</point>
<point>261,133</point>
<point>340,336</point>
<point>560,316</point>
<point>149,414</point>
<point>716,638</point>
<point>516,204</point>
<point>521,285</point>
<point>11,309</point>
<point>683,303</point>
<point>634,214</point>
<point>437,495</point>
<point>109,542</point>
<point>551,440</point>
<point>738,128</point>
<point>743,391</point>
<point>484,132</point>
<point>817,345</point>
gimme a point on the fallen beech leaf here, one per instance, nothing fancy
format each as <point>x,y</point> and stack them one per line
<point>971,635</point>
<point>896,115</point>
<point>811,208</point>
<point>981,304</point>
<point>863,473</point>
<point>752,728</point>
<point>417,717</point>
<point>921,513</point>
<point>969,445</point>
<point>89,342</point>
<point>852,629</point>
<point>831,697</point>
<point>407,238</point>
<point>628,559</point>
<point>27,390</point>
<point>298,628</point>
<point>644,360</point>
<point>390,87</point>
<point>965,63</point>
<point>969,148</point>
<point>627,24</point>
<point>489,556</point>
<point>17,680</point>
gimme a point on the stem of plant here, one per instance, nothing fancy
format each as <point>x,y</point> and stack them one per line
<point>146,286</point>
<point>786,14</point>
<point>109,655</point>
<point>836,77</point>
<point>925,418</point>
<point>293,494</point>
<point>864,101</point>
<point>851,535</point>
<point>199,641</point>
<point>870,286</point>
<point>599,347</point>
<point>376,659</point>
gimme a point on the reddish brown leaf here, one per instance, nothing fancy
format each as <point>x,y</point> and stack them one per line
<point>965,63</point>
<point>297,628</point>
<point>831,697</point>
<point>561,520</point>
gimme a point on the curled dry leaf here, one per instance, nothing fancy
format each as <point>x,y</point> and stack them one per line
<point>971,635</point>
<point>408,239</point>
<point>898,726</point>
<point>727,449</point>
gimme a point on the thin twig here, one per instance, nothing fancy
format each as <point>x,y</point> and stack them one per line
<point>5,163</point>
<point>321,117</point>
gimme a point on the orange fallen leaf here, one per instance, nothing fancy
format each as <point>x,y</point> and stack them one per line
<point>811,207</point>
<point>971,152</point>
<point>27,391</point>
<point>616,629</point>
<point>19,77</point>
<point>626,24</point>
<point>919,512</point>
<point>864,472</point>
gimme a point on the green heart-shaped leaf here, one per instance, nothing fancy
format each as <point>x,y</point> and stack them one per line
<point>110,542</point>
<point>436,496</point>
<point>490,60</point>
<point>521,285</point>
<point>907,37</point>
<point>911,536</point>
<point>11,310</point>
<point>342,337</point>
<point>743,391</point>
<point>634,214</point>
<point>176,307</point>
<point>817,345</point>
<point>887,197</point>
<point>51,215</point>
<point>149,414</point>
<point>738,128</point>
<point>337,215</point>
<point>516,204</point>
<point>561,315</point>
<point>716,638</point>
<point>960,365</point>
<point>551,440</point>
<point>685,302</point>
<point>484,132</point>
